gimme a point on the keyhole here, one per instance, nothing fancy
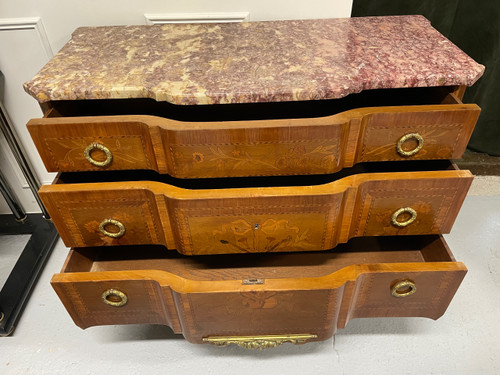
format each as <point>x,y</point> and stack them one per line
<point>256,226</point>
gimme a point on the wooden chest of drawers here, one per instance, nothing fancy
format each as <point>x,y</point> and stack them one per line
<point>292,153</point>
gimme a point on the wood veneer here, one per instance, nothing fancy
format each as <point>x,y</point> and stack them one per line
<point>286,146</point>
<point>256,219</point>
<point>349,173</point>
<point>248,294</point>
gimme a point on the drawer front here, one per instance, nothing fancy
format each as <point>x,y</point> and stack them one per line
<point>256,224</point>
<point>224,310</point>
<point>406,207</point>
<point>250,220</point>
<point>103,303</point>
<point>259,313</point>
<point>97,218</point>
<point>416,135</point>
<point>433,292</point>
<point>254,148</point>
<point>72,145</point>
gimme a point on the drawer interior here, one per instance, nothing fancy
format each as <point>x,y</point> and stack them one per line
<point>254,111</point>
<point>246,182</point>
<point>254,267</point>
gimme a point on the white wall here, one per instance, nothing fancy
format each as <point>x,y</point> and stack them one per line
<point>22,54</point>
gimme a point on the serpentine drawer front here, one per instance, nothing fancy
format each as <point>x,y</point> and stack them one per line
<point>260,147</point>
<point>282,137</point>
<point>240,220</point>
<point>260,301</point>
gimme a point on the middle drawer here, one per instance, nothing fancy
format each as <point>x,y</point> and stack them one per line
<point>233,217</point>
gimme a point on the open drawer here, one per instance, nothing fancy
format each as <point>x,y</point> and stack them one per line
<point>260,139</point>
<point>260,301</point>
<point>230,216</point>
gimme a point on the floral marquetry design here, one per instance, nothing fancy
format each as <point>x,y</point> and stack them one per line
<point>257,158</point>
<point>128,152</point>
<point>439,139</point>
<point>214,233</point>
<point>299,157</point>
<point>430,207</point>
<point>259,300</point>
<point>271,235</point>
<point>89,222</point>
<point>198,157</point>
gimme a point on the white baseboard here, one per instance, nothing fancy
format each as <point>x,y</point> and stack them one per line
<point>218,17</point>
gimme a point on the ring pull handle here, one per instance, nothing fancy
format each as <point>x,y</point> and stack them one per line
<point>402,224</point>
<point>406,137</point>
<point>106,222</point>
<point>98,146</point>
<point>114,297</point>
<point>403,288</point>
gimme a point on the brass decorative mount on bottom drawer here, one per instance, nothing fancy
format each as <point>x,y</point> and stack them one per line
<point>257,219</point>
<point>300,297</point>
<point>259,342</point>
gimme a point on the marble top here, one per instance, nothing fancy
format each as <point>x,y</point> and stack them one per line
<point>253,61</point>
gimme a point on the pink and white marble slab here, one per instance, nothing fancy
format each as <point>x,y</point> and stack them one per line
<point>253,62</point>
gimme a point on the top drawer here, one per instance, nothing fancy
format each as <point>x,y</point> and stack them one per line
<point>254,139</point>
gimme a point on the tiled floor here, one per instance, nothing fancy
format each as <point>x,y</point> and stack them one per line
<point>464,341</point>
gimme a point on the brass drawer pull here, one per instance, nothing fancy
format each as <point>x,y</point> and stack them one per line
<point>106,222</point>
<point>406,137</point>
<point>114,297</point>
<point>259,342</point>
<point>403,288</point>
<point>402,224</point>
<point>98,146</point>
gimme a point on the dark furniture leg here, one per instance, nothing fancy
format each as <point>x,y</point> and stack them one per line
<point>23,276</point>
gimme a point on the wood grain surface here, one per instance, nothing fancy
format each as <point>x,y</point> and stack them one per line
<point>255,148</point>
<point>262,219</point>
<point>257,295</point>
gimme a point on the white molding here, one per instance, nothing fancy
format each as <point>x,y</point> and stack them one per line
<point>218,17</point>
<point>26,23</point>
<point>29,23</point>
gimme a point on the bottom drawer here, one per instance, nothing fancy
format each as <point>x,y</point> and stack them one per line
<point>260,301</point>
